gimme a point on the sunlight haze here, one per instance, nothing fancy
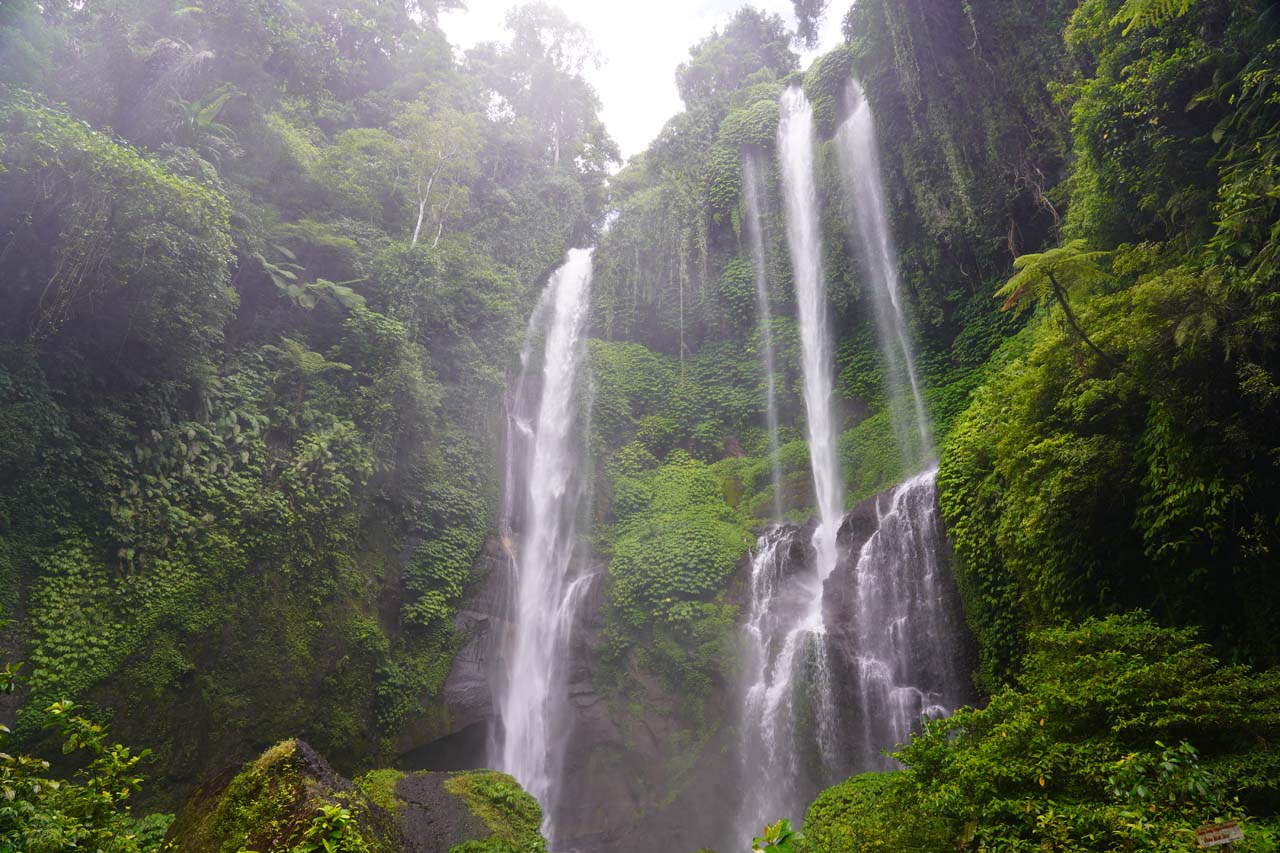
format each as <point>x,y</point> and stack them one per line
<point>640,45</point>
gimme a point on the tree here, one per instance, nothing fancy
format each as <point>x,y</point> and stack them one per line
<point>752,42</point>
<point>1041,276</point>
<point>808,16</point>
<point>539,78</point>
<point>440,144</point>
<point>39,814</point>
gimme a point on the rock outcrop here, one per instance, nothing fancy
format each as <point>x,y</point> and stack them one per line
<point>290,793</point>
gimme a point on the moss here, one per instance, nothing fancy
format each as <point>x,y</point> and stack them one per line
<point>269,805</point>
<point>380,787</point>
<point>513,815</point>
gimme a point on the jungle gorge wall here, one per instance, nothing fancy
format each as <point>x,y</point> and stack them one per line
<point>251,372</point>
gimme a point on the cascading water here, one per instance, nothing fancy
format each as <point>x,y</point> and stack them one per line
<point>795,151</point>
<point>545,491</point>
<point>788,705</point>
<point>859,156</point>
<point>906,635</point>
<point>753,187</point>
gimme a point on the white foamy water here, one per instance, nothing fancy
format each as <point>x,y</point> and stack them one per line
<point>544,492</point>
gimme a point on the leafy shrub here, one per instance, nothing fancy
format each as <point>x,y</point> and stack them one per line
<point>1120,736</point>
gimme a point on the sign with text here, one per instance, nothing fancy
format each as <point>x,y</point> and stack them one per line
<point>1219,834</point>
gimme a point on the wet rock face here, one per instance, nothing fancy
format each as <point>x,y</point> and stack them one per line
<point>858,525</point>
<point>430,819</point>
<point>468,691</point>
<point>896,635</point>
<point>637,775</point>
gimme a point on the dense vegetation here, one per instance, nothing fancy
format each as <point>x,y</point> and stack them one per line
<point>1120,450</point>
<point>1119,736</point>
<point>264,268</point>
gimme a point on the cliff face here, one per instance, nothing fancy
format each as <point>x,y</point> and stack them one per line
<point>638,771</point>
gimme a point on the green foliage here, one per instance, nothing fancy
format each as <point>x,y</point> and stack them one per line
<point>332,831</point>
<point>1120,736</point>
<point>824,86</point>
<point>974,144</point>
<point>781,837</point>
<point>751,44</point>
<point>380,787</point>
<point>678,549</point>
<point>106,248</point>
<point>871,811</point>
<point>753,125</point>
<point>1136,14</point>
<point>90,811</point>
<point>512,815</point>
<point>1140,412</point>
<point>286,800</point>
<point>252,345</point>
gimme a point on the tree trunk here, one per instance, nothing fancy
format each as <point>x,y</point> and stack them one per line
<point>1075,325</point>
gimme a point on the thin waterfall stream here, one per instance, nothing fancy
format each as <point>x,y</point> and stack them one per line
<point>754,196</point>
<point>795,154</point>
<point>787,666</point>
<point>545,488</point>
<point>859,156</point>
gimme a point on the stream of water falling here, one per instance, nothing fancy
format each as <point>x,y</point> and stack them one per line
<point>906,631</point>
<point>859,156</point>
<point>826,693</point>
<point>753,181</point>
<point>795,152</point>
<point>545,491</point>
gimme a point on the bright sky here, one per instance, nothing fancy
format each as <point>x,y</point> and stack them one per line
<point>640,43</point>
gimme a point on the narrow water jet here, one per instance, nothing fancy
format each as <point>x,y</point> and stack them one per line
<point>859,155</point>
<point>753,186</point>
<point>546,489</point>
<point>795,152</point>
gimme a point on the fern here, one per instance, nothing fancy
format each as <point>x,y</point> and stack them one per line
<point>1149,13</point>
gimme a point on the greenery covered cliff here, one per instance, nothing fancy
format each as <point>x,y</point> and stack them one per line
<point>265,267</point>
<point>264,272</point>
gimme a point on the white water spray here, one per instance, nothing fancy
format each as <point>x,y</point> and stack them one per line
<point>787,669</point>
<point>906,632</point>
<point>859,157</point>
<point>795,152</point>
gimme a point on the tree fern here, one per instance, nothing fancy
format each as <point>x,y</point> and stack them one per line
<point>1150,13</point>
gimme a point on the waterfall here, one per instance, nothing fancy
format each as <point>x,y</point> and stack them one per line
<point>777,645</point>
<point>795,150</point>
<point>859,157</point>
<point>753,195</point>
<point>855,635</point>
<point>545,491</point>
<point>905,635</point>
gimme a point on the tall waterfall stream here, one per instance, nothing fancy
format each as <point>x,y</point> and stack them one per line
<point>544,490</point>
<point>820,701</point>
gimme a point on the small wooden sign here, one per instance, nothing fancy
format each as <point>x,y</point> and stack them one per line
<point>1219,834</point>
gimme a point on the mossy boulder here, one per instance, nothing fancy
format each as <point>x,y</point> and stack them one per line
<point>474,811</point>
<point>273,802</point>
<point>290,797</point>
